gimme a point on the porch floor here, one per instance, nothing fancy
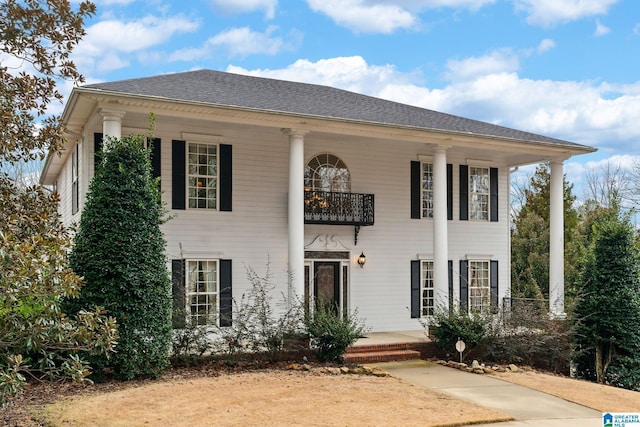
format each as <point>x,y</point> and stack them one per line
<point>395,337</point>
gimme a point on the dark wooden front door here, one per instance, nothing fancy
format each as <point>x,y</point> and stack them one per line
<point>326,284</point>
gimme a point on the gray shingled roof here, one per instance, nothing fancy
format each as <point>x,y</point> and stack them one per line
<point>226,89</point>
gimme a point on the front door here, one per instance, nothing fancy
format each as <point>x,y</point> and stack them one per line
<point>326,284</point>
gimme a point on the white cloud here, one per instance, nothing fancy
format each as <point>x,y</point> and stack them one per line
<point>243,6</point>
<point>601,29</point>
<point>636,30</point>
<point>545,45</point>
<point>490,89</point>
<point>349,73</point>
<point>469,68</point>
<point>547,13</point>
<point>115,40</point>
<point>361,16</point>
<point>242,42</point>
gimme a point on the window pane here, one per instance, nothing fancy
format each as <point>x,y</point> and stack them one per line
<point>327,172</point>
<point>479,290</point>
<point>202,176</point>
<point>202,292</point>
<point>427,300</point>
<point>427,190</point>
<point>479,193</point>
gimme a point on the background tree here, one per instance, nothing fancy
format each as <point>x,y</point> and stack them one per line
<point>530,238</point>
<point>607,311</point>
<point>120,251</point>
<point>36,338</point>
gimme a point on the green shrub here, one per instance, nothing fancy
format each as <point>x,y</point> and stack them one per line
<point>331,333</point>
<point>119,249</point>
<point>447,326</point>
<point>624,372</point>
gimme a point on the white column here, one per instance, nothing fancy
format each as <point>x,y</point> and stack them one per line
<point>556,243</point>
<point>440,243</point>
<point>296,212</point>
<point>111,123</point>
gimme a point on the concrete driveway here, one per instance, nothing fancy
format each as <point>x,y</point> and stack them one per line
<point>528,407</point>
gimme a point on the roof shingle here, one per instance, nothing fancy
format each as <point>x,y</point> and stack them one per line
<point>227,89</point>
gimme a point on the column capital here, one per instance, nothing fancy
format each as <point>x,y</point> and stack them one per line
<point>558,160</point>
<point>294,132</point>
<point>111,114</point>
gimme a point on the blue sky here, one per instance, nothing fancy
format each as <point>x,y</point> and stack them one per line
<point>564,68</point>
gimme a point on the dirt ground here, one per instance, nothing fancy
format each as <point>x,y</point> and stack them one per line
<point>597,396</point>
<point>282,397</point>
<point>270,398</point>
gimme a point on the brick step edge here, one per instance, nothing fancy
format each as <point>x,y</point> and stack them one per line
<point>370,348</point>
<point>381,356</point>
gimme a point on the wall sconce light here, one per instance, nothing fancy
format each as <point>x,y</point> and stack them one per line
<point>362,260</point>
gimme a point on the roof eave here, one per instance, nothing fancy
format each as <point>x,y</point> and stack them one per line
<point>558,145</point>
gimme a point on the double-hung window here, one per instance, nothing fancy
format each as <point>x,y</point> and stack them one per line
<point>202,176</point>
<point>479,286</point>
<point>427,190</point>
<point>202,293</point>
<point>479,193</point>
<point>427,296</point>
<point>75,182</point>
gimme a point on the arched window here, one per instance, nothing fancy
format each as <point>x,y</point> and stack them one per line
<point>326,172</point>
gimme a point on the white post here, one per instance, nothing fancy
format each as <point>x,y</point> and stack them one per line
<point>296,213</point>
<point>440,244</point>
<point>111,123</point>
<point>556,241</point>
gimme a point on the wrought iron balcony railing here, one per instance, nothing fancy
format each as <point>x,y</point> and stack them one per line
<point>335,208</point>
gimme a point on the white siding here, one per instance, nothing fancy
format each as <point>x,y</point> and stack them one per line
<point>254,234</point>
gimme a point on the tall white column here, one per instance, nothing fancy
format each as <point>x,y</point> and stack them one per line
<point>296,212</point>
<point>111,123</point>
<point>440,243</point>
<point>556,241</point>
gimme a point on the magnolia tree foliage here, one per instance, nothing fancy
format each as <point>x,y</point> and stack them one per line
<point>36,337</point>
<point>37,39</point>
<point>120,251</point>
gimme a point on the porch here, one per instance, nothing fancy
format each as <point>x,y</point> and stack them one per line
<point>392,346</point>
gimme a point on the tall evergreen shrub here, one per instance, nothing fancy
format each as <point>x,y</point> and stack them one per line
<point>120,251</point>
<point>607,311</point>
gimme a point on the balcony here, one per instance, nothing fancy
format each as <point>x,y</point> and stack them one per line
<point>335,208</point>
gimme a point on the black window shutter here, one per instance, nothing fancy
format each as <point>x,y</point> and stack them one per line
<point>464,192</point>
<point>226,177</point>
<point>449,191</point>
<point>97,149</point>
<point>178,290</point>
<point>450,268</point>
<point>416,179</point>
<point>415,289</point>
<point>178,174</point>
<point>464,285</point>
<point>226,293</point>
<point>156,158</point>
<point>493,274</point>
<point>493,193</point>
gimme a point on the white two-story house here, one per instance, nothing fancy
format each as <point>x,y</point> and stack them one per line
<point>369,204</point>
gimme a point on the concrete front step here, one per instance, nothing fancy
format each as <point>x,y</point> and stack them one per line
<point>380,356</point>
